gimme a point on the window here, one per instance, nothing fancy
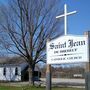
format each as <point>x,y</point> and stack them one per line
<point>16,71</point>
<point>4,71</point>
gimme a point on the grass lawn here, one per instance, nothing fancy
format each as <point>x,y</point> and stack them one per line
<point>34,88</point>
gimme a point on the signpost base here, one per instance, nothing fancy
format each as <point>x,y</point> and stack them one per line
<point>48,77</point>
<point>87,81</point>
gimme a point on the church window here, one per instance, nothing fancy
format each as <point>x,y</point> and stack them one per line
<point>16,71</point>
<point>4,71</point>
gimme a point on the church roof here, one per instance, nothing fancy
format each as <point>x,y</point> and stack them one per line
<point>12,61</point>
<point>15,61</point>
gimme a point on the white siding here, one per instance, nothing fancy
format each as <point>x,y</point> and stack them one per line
<point>10,74</point>
<point>1,74</point>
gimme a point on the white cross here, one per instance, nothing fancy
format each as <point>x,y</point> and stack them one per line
<point>65,17</point>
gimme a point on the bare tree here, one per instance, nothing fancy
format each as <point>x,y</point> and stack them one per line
<point>26,26</point>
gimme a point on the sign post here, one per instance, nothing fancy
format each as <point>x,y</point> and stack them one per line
<point>48,75</point>
<point>87,68</point>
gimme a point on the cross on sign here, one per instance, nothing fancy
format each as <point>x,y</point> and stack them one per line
<point>65,17</point>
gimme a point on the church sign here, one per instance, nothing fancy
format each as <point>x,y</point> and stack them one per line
<point>67,49</point>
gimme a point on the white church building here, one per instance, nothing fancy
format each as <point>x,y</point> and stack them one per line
<point>13,69</point>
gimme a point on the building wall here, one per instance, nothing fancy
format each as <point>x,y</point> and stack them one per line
<point>10,73</point>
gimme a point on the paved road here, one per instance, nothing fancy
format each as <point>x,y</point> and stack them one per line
<point>67,82</point>
<point>59,80</point>
<point>55,82</point>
